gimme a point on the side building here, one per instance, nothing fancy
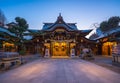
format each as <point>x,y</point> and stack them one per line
<point>107,40</point>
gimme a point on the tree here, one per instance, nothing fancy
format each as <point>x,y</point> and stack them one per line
<point>104,26</point>
<point>114,21</point>
<point>2,18</point>
<point>19,28</point>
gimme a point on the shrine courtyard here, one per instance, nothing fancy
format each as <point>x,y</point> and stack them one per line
<point>60,71</point>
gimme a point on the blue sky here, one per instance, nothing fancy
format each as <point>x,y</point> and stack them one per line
<point>83,12</point>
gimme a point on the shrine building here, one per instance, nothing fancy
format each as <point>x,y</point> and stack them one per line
<point>60,39</point>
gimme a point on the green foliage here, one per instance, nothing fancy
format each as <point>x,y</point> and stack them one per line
<point>22,52</point>
<point>19,28</point>
<point>104,26</point>
<point>22,49</point>
<point>112,23</point>
<point>0,44</point>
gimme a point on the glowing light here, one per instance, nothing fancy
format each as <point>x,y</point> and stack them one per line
<point>8,44</point>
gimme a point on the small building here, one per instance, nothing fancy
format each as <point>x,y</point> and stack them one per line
<point>5,37</point>
<point>107,40</point>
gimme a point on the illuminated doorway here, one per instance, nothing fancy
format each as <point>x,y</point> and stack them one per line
<point>107,48</point>
<point>59,48</point>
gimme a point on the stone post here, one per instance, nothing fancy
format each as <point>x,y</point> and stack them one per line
<point>47,53</point>
<point>72,53</point>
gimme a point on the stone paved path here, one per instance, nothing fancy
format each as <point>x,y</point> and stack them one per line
<point>60,71</point>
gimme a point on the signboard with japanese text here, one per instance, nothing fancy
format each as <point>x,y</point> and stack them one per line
<point>116,49</point>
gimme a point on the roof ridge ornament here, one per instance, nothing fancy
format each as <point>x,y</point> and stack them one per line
<point>60,14</point>
<point>60,18</point>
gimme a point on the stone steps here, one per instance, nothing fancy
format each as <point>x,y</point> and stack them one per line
<point>60,57</point>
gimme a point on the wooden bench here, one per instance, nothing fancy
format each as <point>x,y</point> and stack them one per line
<point>8,59</point>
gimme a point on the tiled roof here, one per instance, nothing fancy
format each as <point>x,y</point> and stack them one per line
<point>33,30</point>
<point>86,31</point>
<point>5,30</point>
<point>2,38</point>
<point>102,35</point>
<point>59,23</point>
<point>51,26</point>
<point>28,37</point>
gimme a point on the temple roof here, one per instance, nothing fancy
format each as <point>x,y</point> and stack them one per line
<point>86,31</point>
<point>59,23</point>
<point>33,30</point>
<point>5,30</point>
<point>106,34</point>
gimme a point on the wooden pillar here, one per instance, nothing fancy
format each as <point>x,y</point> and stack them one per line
<point>51,48</point>
<point>99,49</point>
<point>69,48</point>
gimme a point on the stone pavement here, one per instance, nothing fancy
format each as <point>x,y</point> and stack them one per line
<point>106,61</point>
<point>60,71</point>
